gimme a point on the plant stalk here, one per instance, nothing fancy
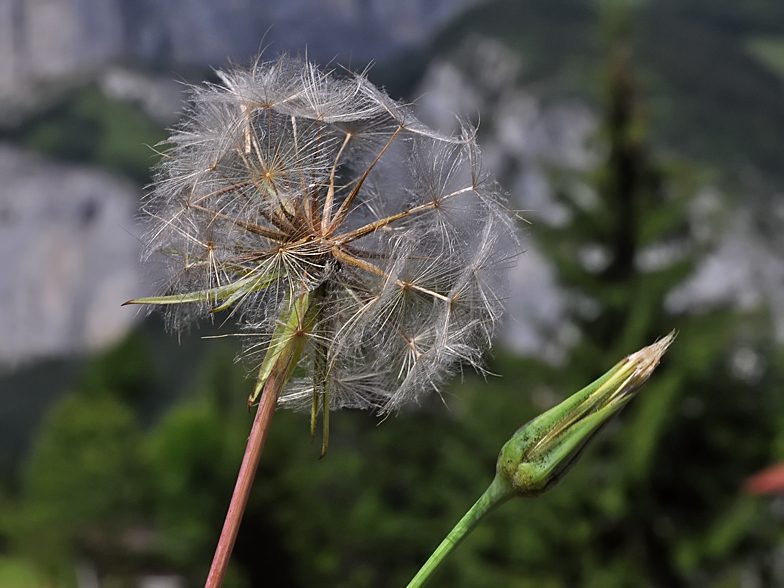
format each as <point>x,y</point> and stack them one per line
<point>497,493</point>
<point>250,461</point>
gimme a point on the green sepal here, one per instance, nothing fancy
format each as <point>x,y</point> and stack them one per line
<point>295,324</point>
<point>259,283</point>
<point>231,292</point>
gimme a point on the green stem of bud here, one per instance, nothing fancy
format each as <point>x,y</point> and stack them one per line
<point>497,493</point>
<point>540,453</point>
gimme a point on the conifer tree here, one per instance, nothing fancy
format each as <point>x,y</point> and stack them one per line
<point>665,506</point>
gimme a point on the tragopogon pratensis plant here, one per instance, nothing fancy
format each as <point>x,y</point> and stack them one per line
<point>347,237</point>
<point>290,190</point>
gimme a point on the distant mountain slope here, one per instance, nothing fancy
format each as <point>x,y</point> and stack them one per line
<point>41,41</point>
<point>712,69</point>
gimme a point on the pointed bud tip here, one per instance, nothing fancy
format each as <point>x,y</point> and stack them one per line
<point>647,359</point>
<point>540,454</point>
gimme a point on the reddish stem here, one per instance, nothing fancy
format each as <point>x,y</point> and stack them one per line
<point>258,434</point>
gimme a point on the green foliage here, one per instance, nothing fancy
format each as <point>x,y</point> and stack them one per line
<point>195,454</point>
<point>99,489</point>
<point>769,51</point>
<point>87,126</point>
<point>128,370</point>
<point>19,573</point>
<point>84,484</point>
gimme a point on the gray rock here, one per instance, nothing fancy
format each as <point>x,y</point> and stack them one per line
<point>59,40</point>
<point>70,257</point>
<point>744,271</point>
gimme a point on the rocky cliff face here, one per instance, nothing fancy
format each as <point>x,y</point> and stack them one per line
<point>43,40</point>
<point>70,257</point>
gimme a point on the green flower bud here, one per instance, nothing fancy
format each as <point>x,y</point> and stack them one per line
<point>540,453</point>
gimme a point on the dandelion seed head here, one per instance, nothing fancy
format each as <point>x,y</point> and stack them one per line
<point>285,179</point>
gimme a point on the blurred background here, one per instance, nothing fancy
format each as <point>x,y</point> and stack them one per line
<point>643,143</point>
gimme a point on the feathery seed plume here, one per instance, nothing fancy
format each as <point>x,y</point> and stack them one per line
<point>337,227</point>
